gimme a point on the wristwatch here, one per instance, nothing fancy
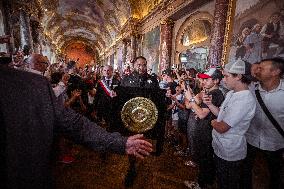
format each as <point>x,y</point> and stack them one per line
<point>192,100</point>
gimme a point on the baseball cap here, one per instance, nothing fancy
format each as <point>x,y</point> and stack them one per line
<point>237,67</point>
<point>213,73</point>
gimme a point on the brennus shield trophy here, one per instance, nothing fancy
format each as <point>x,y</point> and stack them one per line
<point>139,114</point>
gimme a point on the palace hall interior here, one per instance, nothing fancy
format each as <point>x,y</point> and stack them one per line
<point>142,94</point>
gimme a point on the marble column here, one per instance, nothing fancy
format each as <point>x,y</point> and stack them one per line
<point>25,30</point>
<point>133,46</point>
<point>166,44</point>
<point>41,38</point>
<point>218,33</point>
<point>139,45</point>
<point>35,35</point>
<point>124,51</point>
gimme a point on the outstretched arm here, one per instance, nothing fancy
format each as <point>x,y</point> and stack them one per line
<point>81,130</point>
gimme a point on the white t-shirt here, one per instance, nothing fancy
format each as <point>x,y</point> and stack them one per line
<point>237,111</point>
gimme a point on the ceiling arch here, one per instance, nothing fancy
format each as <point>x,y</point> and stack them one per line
<point>66,21</point>
<point>99,23</point>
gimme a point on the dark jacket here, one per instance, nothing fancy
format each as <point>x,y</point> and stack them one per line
<point>140,81</point>
<point>32,117</point>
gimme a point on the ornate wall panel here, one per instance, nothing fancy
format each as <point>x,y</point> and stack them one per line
<point>80,51</point>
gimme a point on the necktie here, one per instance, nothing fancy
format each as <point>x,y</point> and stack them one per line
<point>107,82</point>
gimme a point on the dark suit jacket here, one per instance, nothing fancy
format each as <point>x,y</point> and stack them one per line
<point>141,81</point>
<point>31,118</point>
<point>103,103</point>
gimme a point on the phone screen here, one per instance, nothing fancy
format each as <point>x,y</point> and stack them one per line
<point>186,84</point>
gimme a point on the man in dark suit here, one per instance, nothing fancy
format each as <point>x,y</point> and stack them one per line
<point>105,98</point>
<point>30,117</point>
<point>140,80</point>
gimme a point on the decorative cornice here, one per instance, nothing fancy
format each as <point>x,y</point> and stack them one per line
<point>168,21</point>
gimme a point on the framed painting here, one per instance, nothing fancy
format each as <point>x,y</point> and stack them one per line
<point>151,49</point>
<point>254,30</point>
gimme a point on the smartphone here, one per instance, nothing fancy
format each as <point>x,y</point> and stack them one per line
<point>186,84</point>
<point>206,91</point>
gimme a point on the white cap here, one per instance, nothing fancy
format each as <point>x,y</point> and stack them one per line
<point>237,67</point>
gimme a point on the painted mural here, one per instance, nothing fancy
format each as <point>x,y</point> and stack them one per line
<point>81,53</point>
<point>258,30</point>
<point>151,49</point>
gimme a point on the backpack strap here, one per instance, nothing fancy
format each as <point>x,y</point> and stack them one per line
<point>268,114</point>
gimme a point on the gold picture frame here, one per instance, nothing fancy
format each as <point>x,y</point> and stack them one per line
<point>242,17</point>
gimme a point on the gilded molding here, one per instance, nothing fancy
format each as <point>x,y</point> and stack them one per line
<point>228,31</point>
<point>168,21</point>
<point>187,23</point>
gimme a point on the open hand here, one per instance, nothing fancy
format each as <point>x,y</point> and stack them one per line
<point>138,147</point>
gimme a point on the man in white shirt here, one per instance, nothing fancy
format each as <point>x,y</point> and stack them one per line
<point>262,136</point>
<point>234,116</point>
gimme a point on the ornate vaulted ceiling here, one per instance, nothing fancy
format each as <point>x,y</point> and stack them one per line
<point>96,23</point>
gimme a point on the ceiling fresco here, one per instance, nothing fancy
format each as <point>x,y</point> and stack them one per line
<point>91,20</point>
<point>98,23</point>
<point>80,52</point>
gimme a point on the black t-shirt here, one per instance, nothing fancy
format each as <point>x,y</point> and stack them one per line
<point>204,124</point>
<point>172,86</point>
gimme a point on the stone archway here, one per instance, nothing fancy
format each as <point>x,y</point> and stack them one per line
<point>193,40</point>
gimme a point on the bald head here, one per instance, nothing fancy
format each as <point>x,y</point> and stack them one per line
<point>38,62</point>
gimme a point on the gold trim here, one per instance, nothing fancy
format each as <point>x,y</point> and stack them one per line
<point>167,21</point>
<point>228,31</point>
<point>139,114</point>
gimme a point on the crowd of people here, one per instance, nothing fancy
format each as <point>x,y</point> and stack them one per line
<point>213,119</point>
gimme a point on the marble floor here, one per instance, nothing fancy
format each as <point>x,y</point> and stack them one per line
<point>92,171</point>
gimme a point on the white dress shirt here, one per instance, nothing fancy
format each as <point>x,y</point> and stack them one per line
<point>262,134</point>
